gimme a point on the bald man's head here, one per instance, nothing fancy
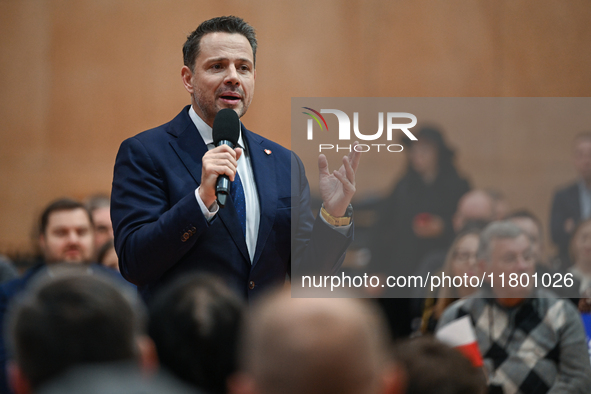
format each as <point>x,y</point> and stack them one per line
<point>316,346</point>
<point>476,205</point>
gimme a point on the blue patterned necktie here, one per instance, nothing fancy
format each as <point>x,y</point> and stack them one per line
<point>237,194</point>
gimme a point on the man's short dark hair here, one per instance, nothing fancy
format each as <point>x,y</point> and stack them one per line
<point>195,324</point>
<point>434,368</point>
<point>68,320</point>
<point>222,24</point>
<point>62,204</point>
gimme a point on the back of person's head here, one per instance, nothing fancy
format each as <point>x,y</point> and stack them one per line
<point>303,345</point>
<point>195,324</point>
<point>68,319</point>
<point>434,368</point>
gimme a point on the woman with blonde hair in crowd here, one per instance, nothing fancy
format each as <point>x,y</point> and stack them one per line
<point>461,259</point>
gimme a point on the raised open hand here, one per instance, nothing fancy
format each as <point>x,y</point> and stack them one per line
<point>337,188</point>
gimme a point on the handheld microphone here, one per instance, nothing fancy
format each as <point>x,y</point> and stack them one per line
<point>225,131</point>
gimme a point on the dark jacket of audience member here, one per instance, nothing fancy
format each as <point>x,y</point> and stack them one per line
<point>395,240</point>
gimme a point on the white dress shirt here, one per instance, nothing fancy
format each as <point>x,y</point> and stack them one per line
<point>251,197</point>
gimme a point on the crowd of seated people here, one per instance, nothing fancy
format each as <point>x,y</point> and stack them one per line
<point>71,323</point>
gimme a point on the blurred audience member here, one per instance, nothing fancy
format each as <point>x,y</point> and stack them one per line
<point>434,368</point>
<point>417,217</point>
<point>415,220</point>
<point>194,323</point>
<point>532,227</point>
<point>76,333</point>
<point>65,236</point>
<point>475,210</point>
<point>313,346</point>
<point>476,205</point>
<point>461,260</point>
<point>107,256</point>
<point>501,205</point>
<point>581,256</point>
<point>572,203</point>
<point>7,270</point>
<point>531,341</point>
<point>99,206</point>
<point>66,233</point>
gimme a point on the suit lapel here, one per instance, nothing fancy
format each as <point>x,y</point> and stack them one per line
<point>263,167</point>
<point>190,148</point>
<point>189,145</point>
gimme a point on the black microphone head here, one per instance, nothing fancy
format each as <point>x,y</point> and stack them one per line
<point>226,126</point>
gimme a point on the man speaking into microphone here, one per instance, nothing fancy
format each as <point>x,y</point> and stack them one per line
<point>166,215</point>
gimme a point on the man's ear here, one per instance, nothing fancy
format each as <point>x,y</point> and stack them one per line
<point>17,380</point>
<point>147,355</point>
<point>187,77</point>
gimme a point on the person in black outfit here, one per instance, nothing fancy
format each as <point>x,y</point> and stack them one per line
<point>572,203</point>
<point>416,218</point>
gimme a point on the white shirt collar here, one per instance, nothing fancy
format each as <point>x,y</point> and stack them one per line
<point>205,130</point>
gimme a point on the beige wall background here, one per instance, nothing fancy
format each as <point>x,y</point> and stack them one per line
<point>79,76</point>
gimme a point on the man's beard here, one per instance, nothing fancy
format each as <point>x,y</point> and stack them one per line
<point>210,110</point>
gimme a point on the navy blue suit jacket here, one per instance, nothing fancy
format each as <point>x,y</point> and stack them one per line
<point>161,232</point>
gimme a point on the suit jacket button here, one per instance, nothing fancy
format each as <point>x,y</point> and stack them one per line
<point>251,285</point>
<point>186,236</point>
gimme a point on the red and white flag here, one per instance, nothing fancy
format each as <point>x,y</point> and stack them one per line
<point>460,334</point>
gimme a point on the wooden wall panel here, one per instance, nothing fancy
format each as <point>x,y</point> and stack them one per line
<point>78,77</point>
